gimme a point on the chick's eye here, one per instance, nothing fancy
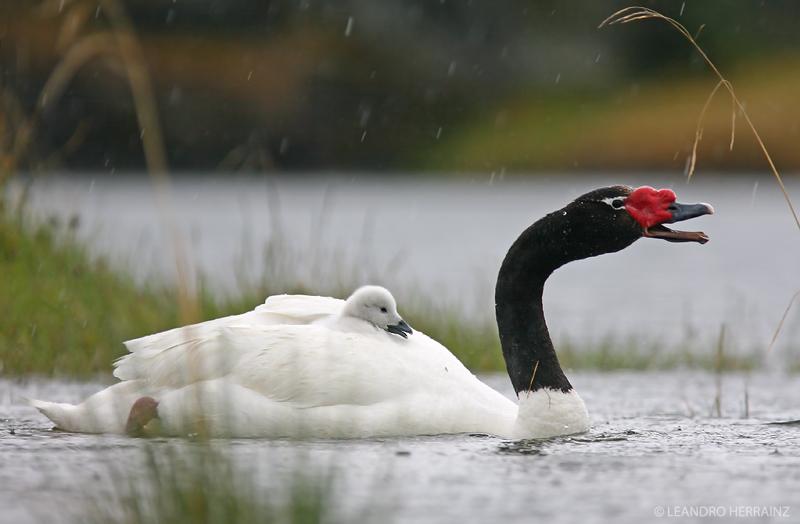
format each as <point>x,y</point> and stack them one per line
<point>383,310</point>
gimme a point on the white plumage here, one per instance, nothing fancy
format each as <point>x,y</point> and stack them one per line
<point>304,366</point>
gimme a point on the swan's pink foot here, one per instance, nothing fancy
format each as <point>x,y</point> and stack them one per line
<point>143,411</point>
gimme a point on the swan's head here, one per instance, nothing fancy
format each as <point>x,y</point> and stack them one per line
<point>377,306</point>
<point>611,218</point>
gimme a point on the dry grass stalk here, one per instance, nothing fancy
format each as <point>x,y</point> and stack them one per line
<point>121,43</point>
<point>636,14</point>
<point>720,360</point>
<point>533,376</point>
<point>746,401</point>
<point>152,137</point>
<point>698,134</point>
<point>783,319</point>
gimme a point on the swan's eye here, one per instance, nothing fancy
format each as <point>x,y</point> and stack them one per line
<point>615,202</point>
<point>383,310</point>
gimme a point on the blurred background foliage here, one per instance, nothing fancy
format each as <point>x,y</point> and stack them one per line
<point>403,85</point>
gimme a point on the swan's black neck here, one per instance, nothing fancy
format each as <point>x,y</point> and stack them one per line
<point>556,239</point>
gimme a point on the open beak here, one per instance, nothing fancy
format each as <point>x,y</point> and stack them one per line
<point>401,328</point>
<point>681,212</point>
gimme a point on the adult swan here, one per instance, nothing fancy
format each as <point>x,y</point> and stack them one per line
<point>312,366</point>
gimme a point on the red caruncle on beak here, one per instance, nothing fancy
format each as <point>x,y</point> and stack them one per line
<point>650,206</point>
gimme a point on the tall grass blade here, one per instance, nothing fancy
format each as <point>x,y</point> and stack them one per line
<point>638,13</point>
<point>783,319</point>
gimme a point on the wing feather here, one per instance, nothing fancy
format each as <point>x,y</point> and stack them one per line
<point>202,337</point>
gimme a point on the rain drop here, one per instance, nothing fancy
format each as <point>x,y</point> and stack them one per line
<point>753,195</point>
<point>451,70</point>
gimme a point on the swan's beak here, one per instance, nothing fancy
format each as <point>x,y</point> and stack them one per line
<point>686,211</point>
<point>681,212</point>
<point>401,328</point>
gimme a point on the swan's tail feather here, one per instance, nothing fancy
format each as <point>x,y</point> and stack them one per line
<point>62,415</point>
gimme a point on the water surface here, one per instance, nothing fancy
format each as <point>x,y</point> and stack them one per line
<point>656,442</point>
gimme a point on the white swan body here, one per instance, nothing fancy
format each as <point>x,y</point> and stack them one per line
<point>294,367</point>
<point>321,367</point>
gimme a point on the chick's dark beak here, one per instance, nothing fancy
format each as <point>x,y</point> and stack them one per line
<point>401,328</point>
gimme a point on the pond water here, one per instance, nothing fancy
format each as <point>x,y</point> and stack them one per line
<point>656,445</point>
<point>444,239</point>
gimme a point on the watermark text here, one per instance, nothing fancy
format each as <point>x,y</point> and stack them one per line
<point>720,511</point>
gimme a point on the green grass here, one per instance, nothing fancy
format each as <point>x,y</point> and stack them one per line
<point>613,353</point>
<point>63,312</point>
<point>201,482</point>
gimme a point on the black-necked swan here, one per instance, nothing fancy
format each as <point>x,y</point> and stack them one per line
<point>290,369</point>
